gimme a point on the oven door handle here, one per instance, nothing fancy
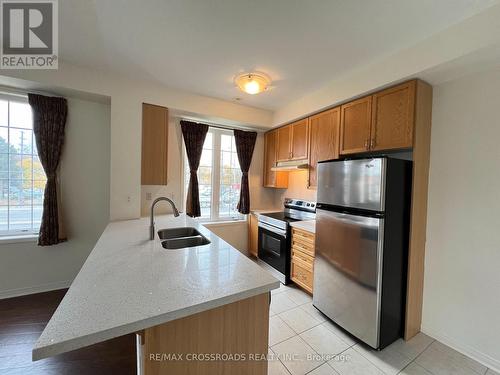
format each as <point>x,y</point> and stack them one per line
<point>270,228</point>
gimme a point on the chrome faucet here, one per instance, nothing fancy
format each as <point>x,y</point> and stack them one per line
<point>152,220</point>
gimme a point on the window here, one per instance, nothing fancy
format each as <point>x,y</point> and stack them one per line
<point>219,176</point>
<point>22,179</point>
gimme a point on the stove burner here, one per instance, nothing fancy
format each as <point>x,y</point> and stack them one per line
<point>282,216</point>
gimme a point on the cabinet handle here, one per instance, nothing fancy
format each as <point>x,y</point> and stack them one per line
<point>366,144</point>
<point>372,143</point>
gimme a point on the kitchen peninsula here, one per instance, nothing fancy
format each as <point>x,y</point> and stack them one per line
<point>206,300</point>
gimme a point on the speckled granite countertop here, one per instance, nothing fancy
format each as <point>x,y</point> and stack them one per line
<point>129,283</point>
<point>307,225</point>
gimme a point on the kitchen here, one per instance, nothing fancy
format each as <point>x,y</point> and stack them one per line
<point>76,294</point>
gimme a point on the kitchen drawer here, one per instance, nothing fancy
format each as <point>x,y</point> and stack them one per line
<point>303,236</point>
<point>302,256</point>
<point>307,248</point>
<point>301,275</point>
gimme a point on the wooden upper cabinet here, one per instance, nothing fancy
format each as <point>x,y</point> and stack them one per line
<point>393,112</point>
<point>154,145</point>
<point>299,139</point>
<point>271,178</point>
<point>269,158</point>
<point>283,143</point>
<point>324,131</point>
<point>382,121</point>
<point>292,141</point>
<point>355,126</point>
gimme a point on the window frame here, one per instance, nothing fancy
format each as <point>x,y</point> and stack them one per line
<point>215,179</point>
<point>19,235</point>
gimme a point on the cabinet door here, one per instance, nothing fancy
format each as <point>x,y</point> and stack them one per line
<point>323,140</point>
<point>393,117</point>
<point>253,235</point>
<point>301,275</point>
<point>299,137</point>
<point>269,158</point>
<point>271,178</point>
<point>283,143</point>
<point>154,145</point>
<point>355,126</point>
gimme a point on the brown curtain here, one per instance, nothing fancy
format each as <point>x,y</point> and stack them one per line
<point>194,135</point>
<point>49,120</point>
<point>245,143</point>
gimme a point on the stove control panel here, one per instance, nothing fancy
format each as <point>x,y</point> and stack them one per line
<point>300,204</point>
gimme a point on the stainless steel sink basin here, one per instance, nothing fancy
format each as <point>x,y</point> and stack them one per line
<point>179,243</point>
<point>166,234</point>
<point>178,238</point>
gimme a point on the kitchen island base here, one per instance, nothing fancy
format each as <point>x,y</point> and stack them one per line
<point>230,339</point>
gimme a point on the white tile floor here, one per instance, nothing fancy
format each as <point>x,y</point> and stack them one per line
<point>303,341</point>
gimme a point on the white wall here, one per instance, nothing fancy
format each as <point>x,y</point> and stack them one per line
<point>260,198</point>
<point>462,264</point>
<point>481,31</point>
<point>234,233</point>
<point>84,175</point>
<point>297,188</point>
<point>127,95</point>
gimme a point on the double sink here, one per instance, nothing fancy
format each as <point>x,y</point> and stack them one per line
<point>178,238</point>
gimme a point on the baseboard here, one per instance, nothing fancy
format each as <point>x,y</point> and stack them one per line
<point>465,349</point>
<point>34,289</point>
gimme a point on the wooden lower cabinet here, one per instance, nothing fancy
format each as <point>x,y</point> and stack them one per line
<point>188,345</point>
<point>302,268</point>
<point>302,275</point>
<point>253,235</point>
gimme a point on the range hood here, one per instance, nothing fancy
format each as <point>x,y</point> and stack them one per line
<point>293,165</point>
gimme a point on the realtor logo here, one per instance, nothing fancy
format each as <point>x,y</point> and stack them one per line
<point>29,34</point>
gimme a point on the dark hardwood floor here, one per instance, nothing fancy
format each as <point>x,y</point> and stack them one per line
<point>22,320</point>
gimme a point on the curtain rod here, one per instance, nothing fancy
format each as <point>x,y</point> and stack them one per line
<point>212,125</point>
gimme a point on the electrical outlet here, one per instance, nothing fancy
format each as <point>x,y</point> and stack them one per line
<point>148,196</point>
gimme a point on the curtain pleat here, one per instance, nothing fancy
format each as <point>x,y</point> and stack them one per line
<point>194,136</point>
<point>49,121</point>
<point>245,143</point>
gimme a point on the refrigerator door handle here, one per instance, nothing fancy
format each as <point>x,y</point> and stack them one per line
<point>349,211</point>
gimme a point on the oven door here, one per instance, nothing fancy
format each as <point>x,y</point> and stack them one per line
<point>273,249</point>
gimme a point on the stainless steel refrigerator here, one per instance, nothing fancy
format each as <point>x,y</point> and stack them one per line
<point>362,225</point>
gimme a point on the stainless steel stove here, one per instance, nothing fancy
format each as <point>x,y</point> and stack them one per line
<point>275,235</point>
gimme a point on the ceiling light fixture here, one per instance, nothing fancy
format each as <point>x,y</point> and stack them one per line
<point>252,83</point>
